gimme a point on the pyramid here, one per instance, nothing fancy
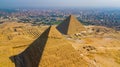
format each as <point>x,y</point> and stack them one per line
<point>70,26</point>
<point>49,50</point>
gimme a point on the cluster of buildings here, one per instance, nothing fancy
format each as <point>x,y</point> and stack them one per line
<point>104,17</point>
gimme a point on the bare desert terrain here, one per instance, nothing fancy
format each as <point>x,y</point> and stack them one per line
<point>96,47</point>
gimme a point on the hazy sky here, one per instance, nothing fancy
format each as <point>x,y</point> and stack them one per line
<point>59,3</point>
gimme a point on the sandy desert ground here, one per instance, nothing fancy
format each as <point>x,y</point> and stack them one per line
<point>98,46</point>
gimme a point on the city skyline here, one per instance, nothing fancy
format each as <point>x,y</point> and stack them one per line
<point>56,3</point>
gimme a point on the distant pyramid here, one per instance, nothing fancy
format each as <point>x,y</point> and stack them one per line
<point>49,50</point>
<point>70,26</point>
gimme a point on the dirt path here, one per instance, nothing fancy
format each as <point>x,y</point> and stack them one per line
<point>109,48</point>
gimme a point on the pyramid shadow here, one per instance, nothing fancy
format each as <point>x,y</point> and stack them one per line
<point>31,57</point>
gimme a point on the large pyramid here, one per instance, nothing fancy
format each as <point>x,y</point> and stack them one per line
<point>70,26</point>
<point>49,50</point>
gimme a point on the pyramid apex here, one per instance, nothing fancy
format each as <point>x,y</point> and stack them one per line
<point>71,18</point>
<point>54,33</point>
<point>72,15</point>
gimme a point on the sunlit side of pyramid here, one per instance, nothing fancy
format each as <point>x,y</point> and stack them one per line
<point>70,26</point>
<point>49,50</point>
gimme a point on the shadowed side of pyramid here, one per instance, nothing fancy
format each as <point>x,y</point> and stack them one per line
<point>49,50</point>
<point>32,55</point>
<point>70,26</point>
